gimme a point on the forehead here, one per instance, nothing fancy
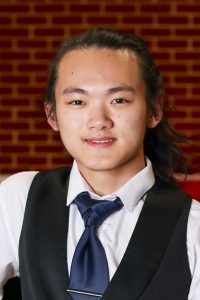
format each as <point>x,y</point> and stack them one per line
<point>98,66</point>
<point>92,56</point>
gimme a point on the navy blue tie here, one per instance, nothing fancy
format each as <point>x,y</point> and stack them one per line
<point>89,275</point>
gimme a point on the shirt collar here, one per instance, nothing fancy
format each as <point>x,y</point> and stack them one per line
<point>130,193</point>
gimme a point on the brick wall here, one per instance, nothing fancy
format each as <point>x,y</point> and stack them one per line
<point>31,30</point>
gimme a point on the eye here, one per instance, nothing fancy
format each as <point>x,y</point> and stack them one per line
<point>77,102</point>
<point>119,101</point>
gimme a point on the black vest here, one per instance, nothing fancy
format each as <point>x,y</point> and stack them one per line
<point>154,267</point>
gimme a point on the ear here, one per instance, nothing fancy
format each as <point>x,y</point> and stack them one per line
<point>156,115</point>
<point>51,116</point>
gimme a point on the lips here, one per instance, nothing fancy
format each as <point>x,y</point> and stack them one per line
<point>100,142</point>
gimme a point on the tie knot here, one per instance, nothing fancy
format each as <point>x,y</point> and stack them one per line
<point>93,211</point>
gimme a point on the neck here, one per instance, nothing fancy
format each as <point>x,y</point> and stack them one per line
<point>108,181</point>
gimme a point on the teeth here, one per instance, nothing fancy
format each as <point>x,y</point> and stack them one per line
<point>102,141</point>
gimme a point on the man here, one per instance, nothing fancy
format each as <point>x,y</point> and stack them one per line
<point>105,97</point>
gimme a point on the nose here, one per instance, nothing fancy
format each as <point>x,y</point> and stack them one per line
<point>99,119</point>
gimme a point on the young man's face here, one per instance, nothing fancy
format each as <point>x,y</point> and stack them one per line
<point>101,111</point>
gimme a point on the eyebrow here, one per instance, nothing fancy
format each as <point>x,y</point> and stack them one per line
<point>74,90</point>
<point>120,88</point>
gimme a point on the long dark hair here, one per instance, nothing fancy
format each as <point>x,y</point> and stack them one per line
<point>161,142</point>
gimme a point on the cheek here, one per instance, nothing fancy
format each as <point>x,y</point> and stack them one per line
<point>70,128</point>
<point>135,121</point>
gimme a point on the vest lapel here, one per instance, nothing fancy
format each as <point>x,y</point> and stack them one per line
<point>160,213</point>
<point>43,271</point>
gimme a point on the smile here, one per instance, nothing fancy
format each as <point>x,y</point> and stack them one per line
<point>102,142</point>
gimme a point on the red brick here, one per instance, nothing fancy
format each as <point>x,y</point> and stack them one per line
<point>49,8</point>
<point>13,32</point>
<point>197,20</point>
<point>160,55</point>
<point>5,68</point>
<point>14,55</point>
<point>62,161</point>
<point>187,32</point>
<point>30,114</point>
<point>188,55</point>
<point>175,91</point>
<point>77,31</point>
<point>195,137</point>
<point>196,67</point>
<point>187,102</point>
<point>173,68</point>
<point>119,8</point>
<point>31,20</point>
<point>176,114</point>
<point>49,32</point>
<point>5,114</point>
<point>155,32</point>
<point>31,160</point>
<point>172,44</point>
<point>5,90</point>
<point>166,79</point>
<point>155,8</point>
<point>11,169</point>
<point>14,8</point>
<point>32,137</point>
<point>42,125</point>
<point>187,79</point>
<point>15,79</point>
<point>67,20</point>
<point>196,114</point>
<point>5,160</point>
<point>5,44</point>
<point>45,55</point>
<point>32,67</point>
<point>84,8</point>
<point>192,148</point>
<point>5,137</point>
<point>15,149</point>
<point>188,8</point>
<point>196,44</point>
<point>30,91</point>
<point>56,44</point>
<point>32,44</point>
<point>15,102</point>
<point>56,136</point>
<point>187,126</point>
<point>101,20</point>
<point>41,79</point>
<point>195,163</point>
<point>173,20</point>
<point>137,20</point>
<point>196,91</point>
<point>13,125</point>
<point>5,21</point>
<point>48,149</point>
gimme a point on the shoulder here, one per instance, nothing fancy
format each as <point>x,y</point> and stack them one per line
<point>13,197</point>
<point>14,189</point>
<point>50,178</point>
<point>19,181</point>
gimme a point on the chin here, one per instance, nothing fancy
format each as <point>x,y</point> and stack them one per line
<point>102,166</point>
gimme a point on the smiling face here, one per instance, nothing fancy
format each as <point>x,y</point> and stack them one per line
<point>101,110</point>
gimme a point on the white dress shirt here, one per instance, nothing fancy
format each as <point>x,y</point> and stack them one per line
<point>114,233</point>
